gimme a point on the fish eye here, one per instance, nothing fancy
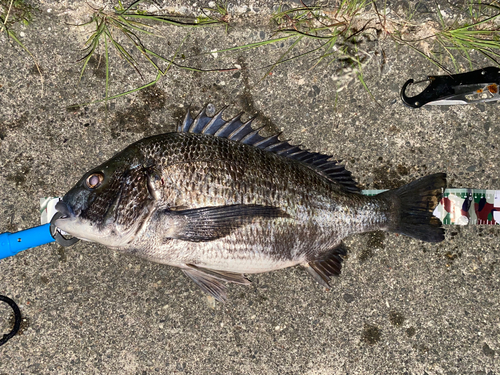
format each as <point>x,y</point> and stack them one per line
<point>94,180</point>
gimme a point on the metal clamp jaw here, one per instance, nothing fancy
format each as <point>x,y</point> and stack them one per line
<point>60,239</point>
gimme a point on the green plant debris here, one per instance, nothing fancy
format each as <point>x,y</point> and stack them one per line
<point>328,36</point>
<point>12,13</point>
<point>218,14</point>
<point>480,36</point>
<point>335,32</point>
<point>455,40</point>
<point>122,29</point>
<point>15,11</point>
<point>323,35</point>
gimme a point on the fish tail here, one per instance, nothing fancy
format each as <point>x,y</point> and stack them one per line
<point>414,205</point>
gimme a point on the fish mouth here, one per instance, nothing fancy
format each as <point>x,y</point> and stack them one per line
<point>65,209</point>
<point>64,215</point>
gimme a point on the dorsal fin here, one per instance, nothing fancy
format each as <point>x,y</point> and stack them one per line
<point>236,130</point>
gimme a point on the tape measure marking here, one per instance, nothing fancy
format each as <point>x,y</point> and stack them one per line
<point>465,206</point>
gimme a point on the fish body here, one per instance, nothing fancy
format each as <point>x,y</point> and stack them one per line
<point>219,201</point>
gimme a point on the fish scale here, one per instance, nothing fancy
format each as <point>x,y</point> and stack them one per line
<point>219,201</point>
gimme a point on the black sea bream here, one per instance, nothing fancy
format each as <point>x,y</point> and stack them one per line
<point>219,201</point>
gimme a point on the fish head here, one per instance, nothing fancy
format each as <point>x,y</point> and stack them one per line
<point>110,203</point>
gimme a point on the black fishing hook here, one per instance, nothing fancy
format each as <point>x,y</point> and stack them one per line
<point>17,319</point>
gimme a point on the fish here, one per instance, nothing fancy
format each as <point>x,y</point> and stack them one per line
<point>220,201</point>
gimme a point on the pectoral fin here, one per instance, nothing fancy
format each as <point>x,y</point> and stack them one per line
<point>211,223</point>
<point>210,281</point>
<point>330,265</point>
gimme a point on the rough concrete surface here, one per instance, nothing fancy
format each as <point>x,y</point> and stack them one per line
<point>400,306</point>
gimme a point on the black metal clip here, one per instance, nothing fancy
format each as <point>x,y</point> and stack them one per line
<point>17,320</point>
<point>472,87</point>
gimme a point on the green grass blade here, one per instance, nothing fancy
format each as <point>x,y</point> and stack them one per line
<point>250,45</point>
<point>279,61</point>
<point>170,21</point>
<point>106,58</point>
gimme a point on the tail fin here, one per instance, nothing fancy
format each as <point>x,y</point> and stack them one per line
<point>414,204</point>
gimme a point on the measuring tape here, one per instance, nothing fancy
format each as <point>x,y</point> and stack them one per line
<point>465,206</point>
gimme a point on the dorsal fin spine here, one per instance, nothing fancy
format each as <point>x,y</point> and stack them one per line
<point>188,120</point>
<point>212,124</point>
<point>234,121</point>
<point>199,122</point>
<point>252,137</point>
<point>273,147</point>
<point>243,130</point>
<point>267,141</point>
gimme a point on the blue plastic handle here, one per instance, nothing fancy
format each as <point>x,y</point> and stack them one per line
<point>13,243</point>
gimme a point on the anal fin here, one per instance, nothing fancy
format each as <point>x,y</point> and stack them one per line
<point>329,265</point>
<point>211,281</point>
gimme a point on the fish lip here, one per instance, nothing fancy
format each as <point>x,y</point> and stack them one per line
<point>63,215</point>
<point>65,209</point>
<point>66,218</point>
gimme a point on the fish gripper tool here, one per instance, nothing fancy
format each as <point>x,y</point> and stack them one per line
<point>464,88</point>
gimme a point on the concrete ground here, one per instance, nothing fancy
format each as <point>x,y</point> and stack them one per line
<point>400,306</point>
